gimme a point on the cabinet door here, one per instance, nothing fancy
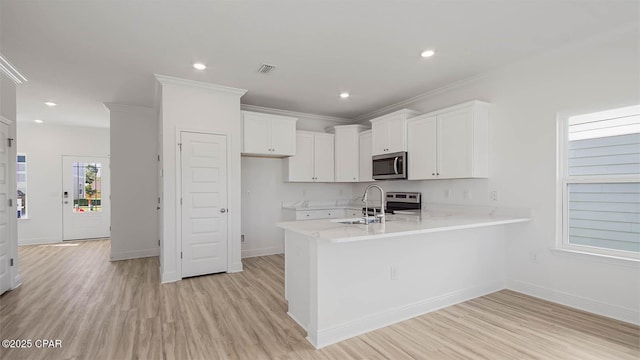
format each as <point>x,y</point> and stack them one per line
<point>365,163</point>
<point>454,144</point>
<point>283,137</point>
<point>323,158</point>
<point>396,134</point>
<point>353,213</point>
<point>422,148</point>
<point>379,137</point>
<point>300,166</point>
<point>347,155</point>
<point>256,134</point>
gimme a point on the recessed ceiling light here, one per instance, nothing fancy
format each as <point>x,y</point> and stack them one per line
<point>199,66</point>
<point>344,95</point>
<point>50,103</point>
<point>427,53</point>
<point>38,121</point>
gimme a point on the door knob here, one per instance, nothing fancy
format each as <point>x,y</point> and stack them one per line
<point>223,210</point>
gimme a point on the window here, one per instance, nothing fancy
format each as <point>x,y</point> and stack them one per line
<point>600,174</point>
<point>21,182</point>
<point>87,187</point>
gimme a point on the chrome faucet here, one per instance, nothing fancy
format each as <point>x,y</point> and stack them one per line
<point>364,200</point>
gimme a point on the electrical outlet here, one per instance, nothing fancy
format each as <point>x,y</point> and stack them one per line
<point>533,256</point>
<point>395,273</point>
<point>304,193</point>
<point>446,193</point>
<point>466,194</point>
<point>242,238</point>
<point>494,195</point>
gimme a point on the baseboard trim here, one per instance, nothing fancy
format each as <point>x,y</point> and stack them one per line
<point>261,252</point>
<point>39,241</point>
<point>235,267</point>
<point>350,329</point>
<point>297,321</point>
<point>134,254</point>
<point>578,302</point>
<point>170,277</point>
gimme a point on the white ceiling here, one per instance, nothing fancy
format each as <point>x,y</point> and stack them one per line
<point>82,54</point>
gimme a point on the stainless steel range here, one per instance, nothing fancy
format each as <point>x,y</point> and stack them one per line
<point>400,202</point>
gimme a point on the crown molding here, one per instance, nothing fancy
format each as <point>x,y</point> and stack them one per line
<point>112,107</point>
<point>4,120</point>
<point>170,80</point>
<point>402,104</point>
<point>631,27</point>
<point>297,114</point>
<point>10,71</point>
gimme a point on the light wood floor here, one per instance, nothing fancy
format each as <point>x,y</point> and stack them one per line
<point>104,310</point>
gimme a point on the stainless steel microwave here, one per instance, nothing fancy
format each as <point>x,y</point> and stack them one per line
<point>390,166</point>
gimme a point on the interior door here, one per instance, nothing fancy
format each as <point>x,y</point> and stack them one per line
<point>5,213</point>
<point>85,197</point>
<point>204,203</point>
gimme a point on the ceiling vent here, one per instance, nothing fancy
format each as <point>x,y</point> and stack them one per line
<point>266,68</point>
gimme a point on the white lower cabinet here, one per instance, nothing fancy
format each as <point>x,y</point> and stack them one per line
<point>337,213</point>
<point>320,214</point>
<point>314,159</point>
<point>449,144</point>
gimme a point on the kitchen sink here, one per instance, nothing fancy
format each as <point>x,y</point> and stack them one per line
<point>355,221</point>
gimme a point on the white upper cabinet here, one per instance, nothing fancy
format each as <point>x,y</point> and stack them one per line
<point>450,143</point>
<point>347,138</point>
<point>314,159</point>
<point>365,164</point>
<point>389,132</point>
<point>268,135</point>
<point>422,149</point>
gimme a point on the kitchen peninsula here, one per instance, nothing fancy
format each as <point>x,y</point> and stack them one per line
<point>342,280</point>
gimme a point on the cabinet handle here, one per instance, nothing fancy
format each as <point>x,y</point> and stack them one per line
<point>437,173</point>
<point>434,174</point>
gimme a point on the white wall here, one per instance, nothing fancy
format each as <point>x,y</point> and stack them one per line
<point>195,106</point>
<point>527,97</point>
<point>44,146</point>
<point>8,107</point>
<point>134,184</point>
<point>264,190</point>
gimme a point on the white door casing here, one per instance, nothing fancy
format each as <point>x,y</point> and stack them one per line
<point>86,224</point>
<point>204,198</point>
<point>5,209</point>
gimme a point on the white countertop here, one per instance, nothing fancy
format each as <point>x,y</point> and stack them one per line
<point>431,219</point>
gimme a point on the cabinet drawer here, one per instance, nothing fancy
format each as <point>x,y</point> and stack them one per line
<point>320,214</point>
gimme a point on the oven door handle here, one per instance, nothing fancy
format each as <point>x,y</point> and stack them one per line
<point>395,165</point>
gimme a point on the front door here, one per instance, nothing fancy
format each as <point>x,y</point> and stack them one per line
<point>85,197</point>
<point>5,213</point>
<point>204,203</point>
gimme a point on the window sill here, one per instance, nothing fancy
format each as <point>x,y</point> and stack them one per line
<point>607,259</point>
